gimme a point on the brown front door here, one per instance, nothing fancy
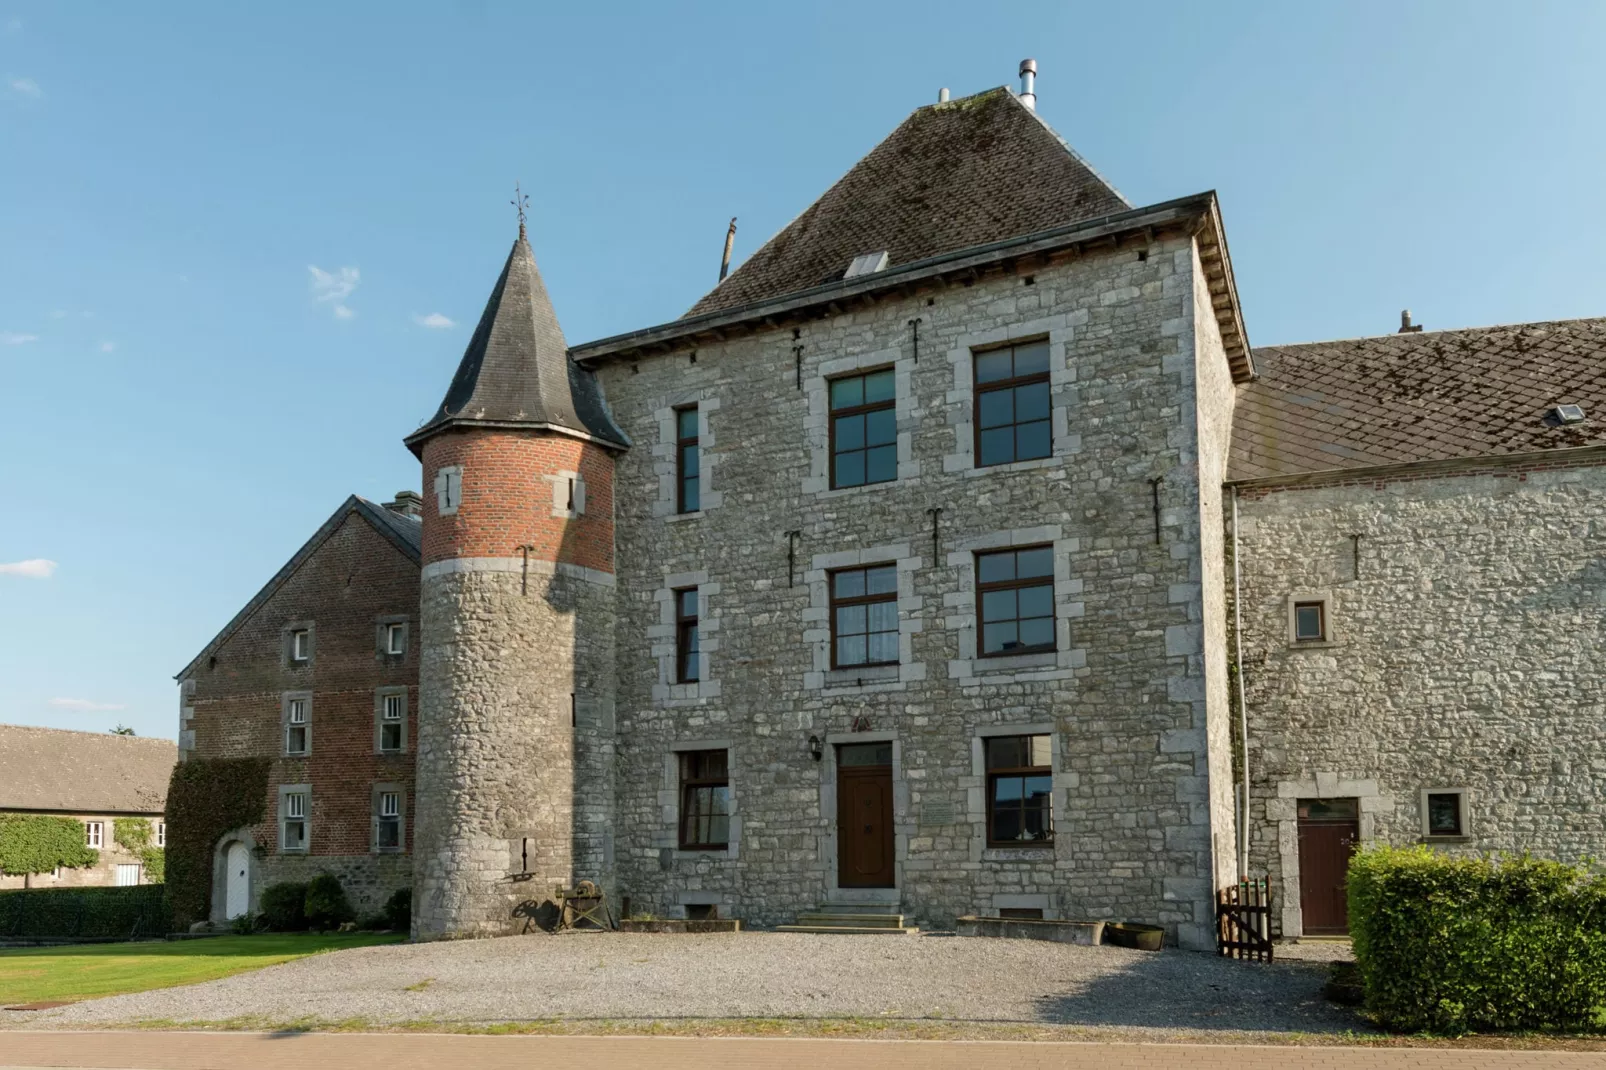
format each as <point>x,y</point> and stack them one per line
<point>864,816</point>
<point>1329,829</point>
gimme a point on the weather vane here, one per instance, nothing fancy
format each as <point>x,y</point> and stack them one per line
<point>520,201</point>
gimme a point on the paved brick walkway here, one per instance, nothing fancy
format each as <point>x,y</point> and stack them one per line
<point>228,1051</point>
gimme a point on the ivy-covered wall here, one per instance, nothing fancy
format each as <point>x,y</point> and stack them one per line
<point>205,799</point>
<point>35,843</point>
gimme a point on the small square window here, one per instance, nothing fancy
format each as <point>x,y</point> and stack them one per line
<point>448,489</point>
<point>1445,813</point>
<point>300,644</point>
<point>94,834</point>
<point>395,638</point>
<point>1310,622</point>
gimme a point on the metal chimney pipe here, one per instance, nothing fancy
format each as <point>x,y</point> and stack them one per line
<point>730,239</point>
<point>1028,83</point>
<point>942,95</point>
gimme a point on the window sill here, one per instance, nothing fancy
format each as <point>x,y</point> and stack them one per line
<point>863,674</point>
<point>1313,644</point>
<point>703,852</point>
<point>1043,852</point>
<point>1431,840</point>
<point>675,518</point>
<point>294,851</point>
<point>841,492</point>
<point>1053,460</point>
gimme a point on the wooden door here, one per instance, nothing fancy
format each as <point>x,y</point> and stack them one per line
<point>864,826</point>
<point>236,885</point>
<point>1329,830</point>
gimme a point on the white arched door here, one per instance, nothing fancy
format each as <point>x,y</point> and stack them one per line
<point>237,896</point>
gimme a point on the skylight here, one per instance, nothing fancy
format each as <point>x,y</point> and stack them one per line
<point>867,264</point>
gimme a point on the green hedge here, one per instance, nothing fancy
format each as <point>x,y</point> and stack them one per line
<point>1455,945</point>
<point>84,913</point>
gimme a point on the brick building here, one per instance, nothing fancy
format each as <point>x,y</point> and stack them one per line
<point>96,778</point>
<point>319,672</point>
<point>910,569</point>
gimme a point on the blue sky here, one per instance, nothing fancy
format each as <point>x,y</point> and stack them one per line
<point>227,230</point>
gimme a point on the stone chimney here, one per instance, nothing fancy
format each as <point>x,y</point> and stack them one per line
<point>407,503</point>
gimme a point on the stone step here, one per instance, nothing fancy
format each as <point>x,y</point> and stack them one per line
<point>848,930</point>
<point>862,921</point>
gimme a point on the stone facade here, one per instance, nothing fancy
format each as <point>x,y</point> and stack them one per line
<point>344,589</point>
<point>1467,627</point>
<point>1137,710</point>
<point>113,856</point>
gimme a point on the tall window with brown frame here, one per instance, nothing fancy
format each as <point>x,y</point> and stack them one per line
<point>1012,408</point>
<point>688,458</point>
<point>864,429</point>
<point>687,664</point>
<point>864,617</point>
<point>1016,591</point>
<point>704,800</point>
<point>1020,787</point>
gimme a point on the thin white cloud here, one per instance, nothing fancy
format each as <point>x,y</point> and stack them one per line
<point>333,287</point>
<point>16,338</point>
<point>434,319</point>
<point>36,568</point>
<point>84,705</point>
<point>26,87</point>
<point>107,347</point>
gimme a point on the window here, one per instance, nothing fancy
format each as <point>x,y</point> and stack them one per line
<point>387,821</point>
<point>395,638</point>
<point>864,429</point>
<point>127,874</point>
<point>161,833</point>
<point>688,458</point>
<point>1310,622</point>
<point>94,833</point>
<point>687,665</point>
<point>300,644</point>
<point>392,722</point>
<point>1012,420</point>
<point>1020,786</point>
<point>293,821</point>
<point>704,800</point>
<point>448,489</point>
<point>295,725</point>
<point>1016,589</point>
<point>1444,812</point>
<point>864,616</point>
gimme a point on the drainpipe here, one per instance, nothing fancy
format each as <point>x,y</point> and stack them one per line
<point>1243,709</point>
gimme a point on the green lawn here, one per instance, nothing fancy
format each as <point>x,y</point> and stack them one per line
<point>31,974</point>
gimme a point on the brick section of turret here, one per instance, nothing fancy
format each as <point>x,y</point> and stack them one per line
<point>492,522</point>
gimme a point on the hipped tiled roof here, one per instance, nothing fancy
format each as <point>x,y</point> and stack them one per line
<point>965,173</point>
<point>1433,396</point>
<point>83,772</point>
<point>516,371</point>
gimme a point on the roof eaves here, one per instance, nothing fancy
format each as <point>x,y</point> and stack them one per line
<point>415,440</point>
<point>1439,465</point>
<point>714,323</point>
<point>350,505</point>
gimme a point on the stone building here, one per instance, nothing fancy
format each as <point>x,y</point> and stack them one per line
<point>319,672</point>
<point>97,778</point>
<point>937,561</point>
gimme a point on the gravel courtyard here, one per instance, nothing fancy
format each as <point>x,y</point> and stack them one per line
<point>743,975</point>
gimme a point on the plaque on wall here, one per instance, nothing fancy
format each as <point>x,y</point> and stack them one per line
<point>937,813</point>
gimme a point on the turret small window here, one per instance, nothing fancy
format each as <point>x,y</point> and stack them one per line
<point>395,638</point>
<point>448,489</point>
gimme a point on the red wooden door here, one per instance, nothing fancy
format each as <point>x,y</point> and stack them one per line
<point>864,827</point>
<point>1328,833</point>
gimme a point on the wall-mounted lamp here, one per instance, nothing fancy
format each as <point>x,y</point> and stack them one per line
<point>816,748</point>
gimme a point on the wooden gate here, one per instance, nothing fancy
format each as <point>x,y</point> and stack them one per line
<point>1243,920</point>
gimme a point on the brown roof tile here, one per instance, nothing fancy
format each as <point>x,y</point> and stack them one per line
<point>83,772</point>
<point>1420,397</point>
<point>975,170</point>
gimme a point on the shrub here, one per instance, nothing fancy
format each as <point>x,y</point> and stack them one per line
<point>284,907</point>
<point>399,910</point>
<point>245,924</point>
<point>1452,945</point>
<point>38,844</point>
<point>84,913</point>
<point>326,904</point>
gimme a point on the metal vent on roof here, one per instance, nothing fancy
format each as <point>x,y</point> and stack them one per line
<point>867,264</point>
<point>1568,414</point>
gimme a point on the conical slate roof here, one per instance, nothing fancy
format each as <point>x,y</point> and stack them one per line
<point>954,175</point>
<point>516,371</point>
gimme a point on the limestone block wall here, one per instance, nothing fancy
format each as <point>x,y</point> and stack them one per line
<point>1468,627</point>
<point>1128,693</point>
<point>515,741</point>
